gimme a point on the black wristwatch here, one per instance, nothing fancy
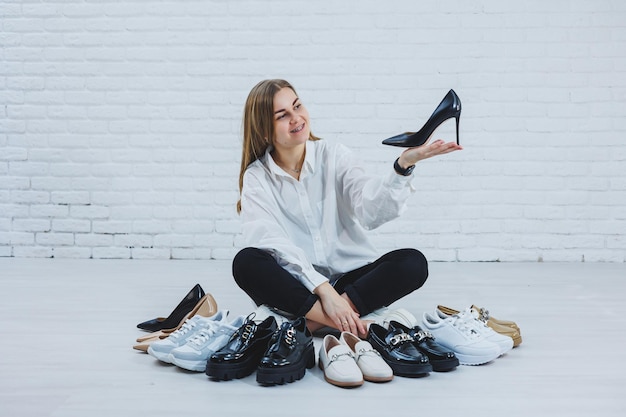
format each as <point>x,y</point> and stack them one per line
<point>403,171</point>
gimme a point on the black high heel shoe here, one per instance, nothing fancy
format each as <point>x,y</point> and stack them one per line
<point>449,107</point>
<point>181,310</point>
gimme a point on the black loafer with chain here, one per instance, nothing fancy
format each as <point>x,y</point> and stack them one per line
<point>441,359</point>
<point>396,348</point>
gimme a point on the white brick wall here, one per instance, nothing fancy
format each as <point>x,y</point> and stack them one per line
<point>120,120</point>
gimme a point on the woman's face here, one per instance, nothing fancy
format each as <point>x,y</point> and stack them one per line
<point>291,120</point>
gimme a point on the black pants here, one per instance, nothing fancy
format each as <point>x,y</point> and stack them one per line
<point>372,286</point>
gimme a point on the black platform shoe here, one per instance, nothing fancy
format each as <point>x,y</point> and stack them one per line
<point>449,107</point>
<point>289,353</point>
<point>396,348</point>
<point>440,358</point>
<point>182,309</point>
<point>243,352</point>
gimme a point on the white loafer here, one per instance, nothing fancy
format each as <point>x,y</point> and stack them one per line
<point>337,362</point>
<point>372,365</point>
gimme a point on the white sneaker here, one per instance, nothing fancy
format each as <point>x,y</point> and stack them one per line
<point>264,311</point>
<point>472,317</point>
<point>338,364</point>
<point>161,349</point>
<point>402,316</point>
<point>383,316</point>
<point>194,354</point>
<point>372,365</point>
<point>460,336</point>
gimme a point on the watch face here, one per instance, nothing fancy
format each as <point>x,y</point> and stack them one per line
<point>409,170</point>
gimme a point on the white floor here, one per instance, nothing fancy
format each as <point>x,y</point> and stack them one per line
<point>68,327</point>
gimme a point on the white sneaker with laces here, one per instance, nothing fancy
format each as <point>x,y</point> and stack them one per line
<point>194,354</point>
<point>161,348</point>
<point>461,336</point>
<point>471,316</point>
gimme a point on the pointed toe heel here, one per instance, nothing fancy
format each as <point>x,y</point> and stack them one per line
<point>449,107</point>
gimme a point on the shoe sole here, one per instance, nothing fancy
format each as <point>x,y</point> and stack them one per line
<point>226,371</point>
<point>195,366</point>
<point>288,373</point>
<point>410,370</point>
<point>444,365</point>
<point>163,357</point>
<point>475,360</point>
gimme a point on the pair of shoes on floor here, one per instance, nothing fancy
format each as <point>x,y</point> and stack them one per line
<point>205,307</point>
<point>504,327</point>
<point>199,337</point>
<point>473,342</point>
<point>397,349</point>
<point>279,354</point>
<point>347,361</point>
<point>440,358</point>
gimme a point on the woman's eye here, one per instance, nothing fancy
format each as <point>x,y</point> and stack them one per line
<point>297,106</point>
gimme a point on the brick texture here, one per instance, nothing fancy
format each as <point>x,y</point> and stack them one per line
<point>120,121</point>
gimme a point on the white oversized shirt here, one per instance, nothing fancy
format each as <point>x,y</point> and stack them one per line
<point>316,227</point>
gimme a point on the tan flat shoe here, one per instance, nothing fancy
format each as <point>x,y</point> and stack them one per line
<point>206,307</point>
<point>143,346</point>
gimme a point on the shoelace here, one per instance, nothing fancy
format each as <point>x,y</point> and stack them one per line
<point>285,332</point>
<point>203,335</point>
<point>184,329</point>
<point>466,325</point>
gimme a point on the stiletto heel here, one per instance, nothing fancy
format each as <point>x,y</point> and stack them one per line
<point>185,306</point>
<point>449,107</point>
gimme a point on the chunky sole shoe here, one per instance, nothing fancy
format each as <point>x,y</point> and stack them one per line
<point>410,370</point>
<point>287,373</point>
<point>228,371</point>
<point>444,365</point>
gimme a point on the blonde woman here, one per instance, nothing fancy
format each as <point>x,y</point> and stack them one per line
<point>306,205</point>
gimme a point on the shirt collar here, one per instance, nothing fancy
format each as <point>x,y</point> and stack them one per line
<point>307,165</point>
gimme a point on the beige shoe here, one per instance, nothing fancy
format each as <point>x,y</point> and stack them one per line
<point>206,307</point>
<point>145,344</point>
<point>504,327</point>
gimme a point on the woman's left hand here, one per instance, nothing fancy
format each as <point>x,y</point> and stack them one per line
<point>438,147</point>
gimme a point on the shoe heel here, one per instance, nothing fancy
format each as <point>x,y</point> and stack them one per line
<point>457,117</point>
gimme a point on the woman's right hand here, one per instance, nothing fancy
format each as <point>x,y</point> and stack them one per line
<point>339,311</point>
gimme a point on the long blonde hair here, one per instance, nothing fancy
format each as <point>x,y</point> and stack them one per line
<point>258,124</point>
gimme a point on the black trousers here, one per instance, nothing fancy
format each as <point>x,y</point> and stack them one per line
<point>370,287</point>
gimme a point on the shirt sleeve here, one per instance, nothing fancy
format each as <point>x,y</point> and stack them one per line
<point>262,229</point>
<point>375,200</point>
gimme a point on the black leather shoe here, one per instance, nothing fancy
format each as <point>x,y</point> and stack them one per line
<point>440,358</point>
<point>182,309</point>
<point>449,107</point>
<point>396,348</point>
<point>289,353</point>
<point>243,352</point>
